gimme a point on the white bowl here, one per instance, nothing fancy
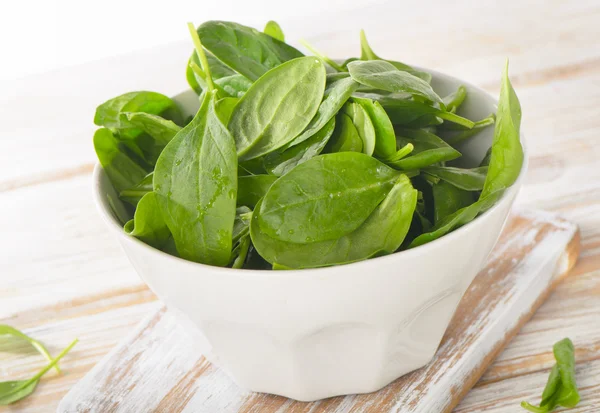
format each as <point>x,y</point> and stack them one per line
<point>316,333</point>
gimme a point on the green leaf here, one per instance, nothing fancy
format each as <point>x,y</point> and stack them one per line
<point>11,331</point>
<point>109,113</point>
<point>13,391</point>
<point>148,224</point>
<point>300,205</point>
<point>385,137</point>
<point>244,49</point>
<point>252,188</point>
<point>463,135</point>
<point>380,74</point>
<point>135,193</point>
<point>455,99</point>
<point>463,178</point>
<point>280,163</point>
<point>447,199</point>
<point>218,70</point>
<point>428,149</point>
<point>159,128</point>
<point>234,86</point>
<point>381,233</point>
<point>196,185</point>
<point>507,153</point>
<point>336,95</point>
<point>273,30</point>
<point>345,137</point>
<point>364,126</point>
<point>564,353</point>
<point>277,107</point>
<point>122,169</point>
<point>224,108</point>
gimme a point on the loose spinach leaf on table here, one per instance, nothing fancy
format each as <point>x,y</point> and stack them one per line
<point>298,207</point>
<point>277,107</point>
<point>280,163</point>
<point>274,30</point>
<point>15,390</point>
<point>196,186</point>
<point>381,233</point>
<point>244,49</point>
<point>6,330</point>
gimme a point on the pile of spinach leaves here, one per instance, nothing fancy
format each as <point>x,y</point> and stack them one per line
<point>297,161</point>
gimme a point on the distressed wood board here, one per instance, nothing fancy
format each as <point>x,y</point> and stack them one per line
<point>156,369</point>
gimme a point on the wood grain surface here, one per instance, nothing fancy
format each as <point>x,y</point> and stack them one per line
<point>157,369</point>
<point>63,276</point>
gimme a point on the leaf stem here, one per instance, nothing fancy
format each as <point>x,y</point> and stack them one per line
<point>201,56</point>
<point>453,117</point>
<point>322,56</point>
<point>402,152</point>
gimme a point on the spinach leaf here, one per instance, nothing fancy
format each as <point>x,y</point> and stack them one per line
<point>280,163</point>
<point>217,70</point>
<point>252,188</point>
<point>380,74</point>
<point>11,331</point>
<point>385,141</point>
<point>233,86</point>
<point>135,193</point>
<point>196,185</point>
<point>15,390</point>
<point>428,149</point>
<point>335,96</point>
<point>159,128</point>
<point>109,113</point>
<point>277,107</point>
<point>364,126</point>
<point>381,233</point>
<point>368,54</point>
<point>118,209</point>
<point>463,178</point>
<point>345,137</point>
<point>462,136</point>
<point>224,108</point>
<point>330,62</point>
<point>455,99</point>
<point>123,170</point>
<point>241,236</point>
<point>273,30</point>
<point>244,49</point>
<point>507,153</point>
<point>447,199</point>
<point>148,224</point>
<point>298,207</point>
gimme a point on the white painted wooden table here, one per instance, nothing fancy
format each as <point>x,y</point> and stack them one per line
<point>63,276</point>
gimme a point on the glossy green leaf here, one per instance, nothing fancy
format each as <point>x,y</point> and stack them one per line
<point>244,49</point>
<point>464,178</point>
<point>159,128</point>
<point>11,331</point>
<point>380,74</point>
<point>224,108</point>
<point>455,99</point>
<point>277,107</point>
<point>336,95</point>
<point>280,163</point>
<point>364,126</point>
<point>298,207</point>
<point>148,224</point>
<point>447,199</point>
<point>274,30</point>
<point>507,153</point>
<point>385,137</point>
<point>345,137</point>
<point>123,170</point>
<point>564,353</point>
<point>15,390</point>
<point>234,86</point>
<point>196,185</point>
<point>109,113</point>
<point>429,149</point>
<point>252,188</point>
<point>381,233</point>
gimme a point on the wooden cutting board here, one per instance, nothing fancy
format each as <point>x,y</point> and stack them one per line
<point>156,369</point>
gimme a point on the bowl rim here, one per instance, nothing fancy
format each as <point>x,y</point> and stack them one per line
<point>112,222</point>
